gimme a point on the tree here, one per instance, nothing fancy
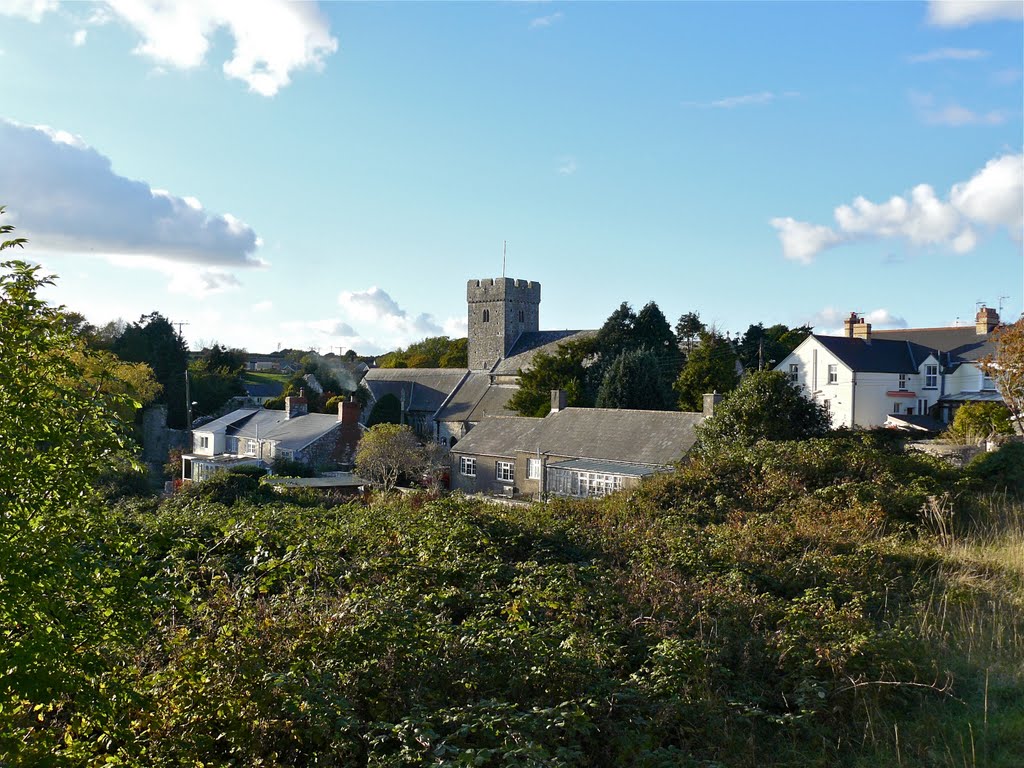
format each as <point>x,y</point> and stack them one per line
<point>634,380</point>
<point>153,340</point>
<point>387,451</point>
<point>1006,368</point>
<point>617,333</point>
<point>432,352</point>
<point>688,331</point>
<point>566,369</point>
<point>59,599</point>
<point>975,422</point>
<point>387,410</point>
<point>210,386</point>
<point>711,367</point>
<point>765,406</point>
<point>103,371</point>
<point>761,347</point>
<point>652,331</point>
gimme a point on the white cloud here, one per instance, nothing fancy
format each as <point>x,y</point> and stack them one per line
<point>566,166</point>
<point>545,21</point>
<point>382,325</point>
<point>272,38</point>
<point>948,54</point>
<point>993,198</point>
<point>184,279</point>
<point>33,10</point>
<point>70,200</point>
<point>956,115</point>
<point>263,306</point>
<point>744,100</point>
<point>962,13</point>
<point>801,241</point>
<point>78,39</point>
<point>829,321</point>
<point>995,195</point>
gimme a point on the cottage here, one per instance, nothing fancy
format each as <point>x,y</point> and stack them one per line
<point>572,451</point>
<point>257,436</point>
<point>865,376</point>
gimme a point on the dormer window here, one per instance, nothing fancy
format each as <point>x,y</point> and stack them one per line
<point>487,315</point>
<point>931,376</point>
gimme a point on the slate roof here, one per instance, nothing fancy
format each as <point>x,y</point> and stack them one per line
<point>653,438</point>
<point>963,344</point>
<point>878,355</point>
<point>425,389</point>
<point>294,434</point>
<point>530,343</point>
<point>477,398</point>
<point>264,389</point>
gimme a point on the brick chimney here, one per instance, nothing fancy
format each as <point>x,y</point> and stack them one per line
<point>296,406</point>
<point>348,411</point>
<point>854,327</point>
<point>558,400</point>
<point>711,399</point>
<point>986,321</point>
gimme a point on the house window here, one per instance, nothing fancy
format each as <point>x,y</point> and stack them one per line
<point>251,447</point>
<point>931,376</point>
<point>896,407</point>
<point>533,469</point>
<point>794,373</point>
<point>903,382</point>
<point>504,471</point>
<point>231,445</point>
<point>833,374</point>
<point>204,441</point>
<point>987,382</point>
<point>467,466</point>
<point>922,407</point>
<point>487,315</point>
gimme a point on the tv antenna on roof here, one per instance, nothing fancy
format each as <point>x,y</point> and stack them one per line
<point>1001,300</point>
<point>504,244</point>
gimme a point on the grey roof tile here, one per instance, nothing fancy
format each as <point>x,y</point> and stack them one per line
<point>424,389</point>
<point>529,344</point>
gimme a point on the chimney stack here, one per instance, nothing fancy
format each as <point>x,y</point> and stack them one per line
<point>711,399</point>
<point>558,400</point>
<point>296,406</point>
<point>855,327</point>
<point>348,411</point>
<point>986,321</point>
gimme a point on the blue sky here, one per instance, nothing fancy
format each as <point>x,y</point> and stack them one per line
<point>330,176</point>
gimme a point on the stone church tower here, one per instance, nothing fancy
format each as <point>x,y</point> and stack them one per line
<point>500,309</point>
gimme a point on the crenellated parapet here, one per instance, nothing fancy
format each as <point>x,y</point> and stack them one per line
<point>500,310</point>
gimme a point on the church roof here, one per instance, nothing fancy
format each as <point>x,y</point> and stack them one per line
<point>530,343</point>
<point>423,389</point>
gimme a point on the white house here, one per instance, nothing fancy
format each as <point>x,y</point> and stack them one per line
<point>258,436</point>
<point>913,377</point>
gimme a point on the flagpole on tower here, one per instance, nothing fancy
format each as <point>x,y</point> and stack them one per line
<point>504,243</point>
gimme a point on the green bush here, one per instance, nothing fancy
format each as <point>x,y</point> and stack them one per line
<point>291,468</point>
<point>1001,470</point>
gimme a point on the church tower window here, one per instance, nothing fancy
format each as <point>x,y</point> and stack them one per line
<point>487,315</point>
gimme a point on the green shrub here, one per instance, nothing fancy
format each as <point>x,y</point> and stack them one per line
<point>1002,469</point>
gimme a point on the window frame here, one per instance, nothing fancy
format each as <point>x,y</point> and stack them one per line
<point>904,378</point>
<point>467,466</point>
<point>505,471</point>
<point>252,447</point>
<point>832,373</point>
<point>931,376</point>
<point>794,373</point>
<point>534,469</point>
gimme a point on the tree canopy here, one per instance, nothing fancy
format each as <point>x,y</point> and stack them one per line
<point>154,341</point>
<point>387,451</point>
<point>1006,368</point>
<point>433,352</point>
<point>765,406</point>
<point>710,367</point>
<point>634,380</point>
<point>566,369</point>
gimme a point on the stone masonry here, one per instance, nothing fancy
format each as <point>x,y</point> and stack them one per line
<point>500,309</point>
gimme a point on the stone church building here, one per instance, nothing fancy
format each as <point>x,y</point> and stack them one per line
<point>504,334</point>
